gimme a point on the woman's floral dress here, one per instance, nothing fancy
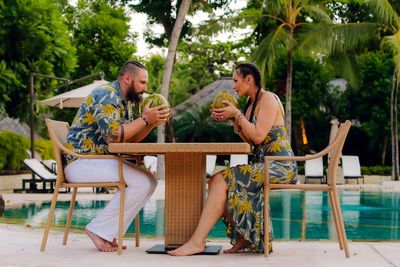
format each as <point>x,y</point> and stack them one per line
<point>245,204</point>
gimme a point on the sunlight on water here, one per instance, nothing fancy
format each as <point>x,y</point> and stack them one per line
<point>296,215</point>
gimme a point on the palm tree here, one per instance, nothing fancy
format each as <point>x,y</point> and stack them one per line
<point>387,15</point>
<point>301,27</point>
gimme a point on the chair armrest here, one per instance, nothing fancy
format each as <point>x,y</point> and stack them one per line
<point>85,156</point>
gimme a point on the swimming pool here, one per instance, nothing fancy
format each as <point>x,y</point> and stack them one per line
<point>296,215</point>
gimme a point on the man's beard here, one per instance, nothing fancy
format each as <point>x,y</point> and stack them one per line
<point>133,96</point>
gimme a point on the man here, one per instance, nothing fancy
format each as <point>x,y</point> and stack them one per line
<point>104,118</point>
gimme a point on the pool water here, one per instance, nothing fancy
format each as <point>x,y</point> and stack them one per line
<point>295,215</point>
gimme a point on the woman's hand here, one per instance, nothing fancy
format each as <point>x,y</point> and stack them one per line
<point>226,113</point>
<point>157,114</point>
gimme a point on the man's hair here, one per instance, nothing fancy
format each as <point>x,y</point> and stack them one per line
<point>131,67</point>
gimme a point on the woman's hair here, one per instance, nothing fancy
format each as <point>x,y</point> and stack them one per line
<point>249,68</point>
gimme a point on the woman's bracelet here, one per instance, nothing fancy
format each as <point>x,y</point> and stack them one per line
<point>238,116</point>
<point>146,122</point>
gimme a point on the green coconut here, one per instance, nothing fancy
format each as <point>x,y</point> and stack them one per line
<point>157,100</point>
<point>220,97</point>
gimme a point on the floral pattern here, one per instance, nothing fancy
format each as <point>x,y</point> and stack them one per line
<point>101,113</point>
<point>245,204</point>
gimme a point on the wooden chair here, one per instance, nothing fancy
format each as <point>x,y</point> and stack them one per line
<point>58,131</point>
<point>335,148</point>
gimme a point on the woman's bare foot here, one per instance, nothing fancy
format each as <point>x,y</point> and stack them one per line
<point>115,244</point>
<point>241,243</point>
<point>101,244</point>
<point>189,248</point>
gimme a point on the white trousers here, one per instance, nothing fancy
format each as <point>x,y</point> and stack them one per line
<point>140,186</point>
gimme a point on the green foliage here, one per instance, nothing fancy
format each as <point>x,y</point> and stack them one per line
<point>101,35</point>
<point>34,39</point>
<point>13,150</point>
<point>376,170</point>
<point>44,148</point>
<point>200,63</point>
<point>371,105</point>
<point>155,66</point>
<point>161,12</point>
<point>197,125</point>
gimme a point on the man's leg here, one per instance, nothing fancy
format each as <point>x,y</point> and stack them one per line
<point>140,186</point>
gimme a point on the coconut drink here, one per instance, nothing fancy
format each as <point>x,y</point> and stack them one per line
<point>220,97</point>
<point>156,100</point>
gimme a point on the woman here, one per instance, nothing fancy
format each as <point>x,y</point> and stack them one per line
<point>237,192</point>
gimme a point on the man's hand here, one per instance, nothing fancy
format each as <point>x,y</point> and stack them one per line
<point>156,115</point>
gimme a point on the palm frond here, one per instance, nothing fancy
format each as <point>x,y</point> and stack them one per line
<point>278,42</point>
<point>385,12</point>
<point>242,20</point>
<point>392,42</point>
<point>347,67</point>
<point>317,13</point>
<point>274,6</point>
<point>396,60</point>
<point>334,39</point>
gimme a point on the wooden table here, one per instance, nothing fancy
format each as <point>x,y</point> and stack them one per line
<point>185,173</point>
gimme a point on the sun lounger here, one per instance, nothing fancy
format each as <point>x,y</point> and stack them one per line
<point>45,177</point>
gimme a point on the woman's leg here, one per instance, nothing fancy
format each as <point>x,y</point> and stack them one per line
<point>213,210</point>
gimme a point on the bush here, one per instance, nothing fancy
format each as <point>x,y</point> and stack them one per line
<point>376,170</point>
<point>44,148</point>
<point>13,150</point>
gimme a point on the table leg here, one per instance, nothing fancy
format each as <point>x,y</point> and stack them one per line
<point>184,195</point>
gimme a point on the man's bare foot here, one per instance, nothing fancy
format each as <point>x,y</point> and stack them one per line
<point>115,244</point>
<point>241,243</point>
<point>189,248</point>
<point>101,244</point>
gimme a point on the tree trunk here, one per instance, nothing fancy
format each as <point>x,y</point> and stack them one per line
<point>169,64</point>
<point>395,139</point>
<point>288,111</point>
<point>1,205</point>
<point>384,148</point>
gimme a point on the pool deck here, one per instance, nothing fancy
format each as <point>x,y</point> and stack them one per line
<point>19,245</point>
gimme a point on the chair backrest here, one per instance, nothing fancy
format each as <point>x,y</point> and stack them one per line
<point>39,169</point>
<point>351,166</point>
<point>58,131</point>
<point>314,167</point>
<point>336,149</point>
<point>238,159</point>
<point>211,160</point>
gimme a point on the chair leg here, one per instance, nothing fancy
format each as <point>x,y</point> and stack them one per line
<point>69,218</point>
<point>50,218</point>
<point>336,219</point>
<point>121,219</point>
<point>266,221</point>
<point>341,224</point>
<point>137,230</point>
